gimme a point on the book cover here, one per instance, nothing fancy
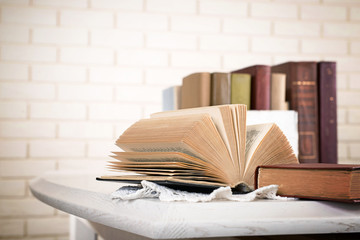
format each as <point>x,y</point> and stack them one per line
<point>195,91</point>
<point>301,92</point>
<point>260,85</point>
<point>278,89</point>
<point>241,89</point>
<point>171,98</point>
<point>335,182</point>
<point>327,112</point>
<point>220,88</point>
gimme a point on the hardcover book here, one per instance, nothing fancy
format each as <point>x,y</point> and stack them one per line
<point>195,91</point>
<point>278,90</point>
<point>241,89</point>
<point>301,92</point>
<point>171,98</point>
<point>260,86</point>
<point>208,146</point>
<point>220,88</point>
<point>327,112</point>
<point>338,182</point>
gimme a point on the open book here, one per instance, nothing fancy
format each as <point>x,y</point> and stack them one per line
<point>207,146</point>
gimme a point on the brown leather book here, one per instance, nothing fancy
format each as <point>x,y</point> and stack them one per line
<point>327,112</point>
<point>196,89</point>
<point>301,92</point>
<point>260,86</point>
<point>336,182</point>
<point>220,88</point>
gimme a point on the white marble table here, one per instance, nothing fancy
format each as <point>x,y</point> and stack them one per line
<point>81,195</point>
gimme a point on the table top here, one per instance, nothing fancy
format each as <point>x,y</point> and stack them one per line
<point>81,195</point>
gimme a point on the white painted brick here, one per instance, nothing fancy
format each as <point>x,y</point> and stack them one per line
<point>48,226</point>
<point>189,59</point>
<point>57,148</point>
<point>324,46</point>
<point>13,110</point>
<point>134,94</point>
<point>12,227</point>
<point>12,149</point>
<point>294,57</point>
<point>341,81</point>
<point>355,47</point>
<point>237,61</point>
<point>342,151</point>
<point>247,26</point>
<point>142,58</point>
<point>195,24</point>
<point>89,19</point>
<point>101,148</point>
<point>345,98</point>
<point>115,75</point>
<point>323,12</point>
<point>355,13</point>
<point>341,116</point>
<point>171,41</point>
<point>15,2</point>
<point>220,7</point>
<point>26,168</point>
<point>28,53</point>
<point>354,116</point>
<point>347,64</point>
<point>9,71</point>
<point>273,10</point>
<point>61,3</point>
<point>298,1</point>
<point>150,109</point>
<point>12,188</point>
<point>141,21</point>
<point>24,207</point>
<point>92,165</point>
<point>355,150</point>
<point>114,112</point>
<point>121,127</point>
<point>224,43</point>
<point>342,30</point>
<point>60,36</point>
<point>350,2</point>
<point>274,45</point>
<point>299,29</point>
<point>57,111</point>
<point>58,73</point>
<point>168,76</point>
<point>87,55</point>
<point>27,129</point>
<point>348,133</point>
<point>133,5</point>
<point>85,130</point>
<point>27,91</point>
<point>28,16</point>
<point>115,38</point>
<point>85,92</point>
<point>171,6</point>
<point>14,34</point>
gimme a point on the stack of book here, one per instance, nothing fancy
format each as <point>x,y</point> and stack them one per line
<point>306,87</point>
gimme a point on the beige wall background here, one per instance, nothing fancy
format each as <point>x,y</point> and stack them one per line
<point>75,73</point>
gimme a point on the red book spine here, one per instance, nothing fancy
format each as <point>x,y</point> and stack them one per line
<point>327,112</point>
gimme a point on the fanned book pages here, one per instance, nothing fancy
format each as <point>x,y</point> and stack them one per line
<point>206,147</point>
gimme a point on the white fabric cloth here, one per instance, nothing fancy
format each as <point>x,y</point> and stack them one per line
<point>153,190</point>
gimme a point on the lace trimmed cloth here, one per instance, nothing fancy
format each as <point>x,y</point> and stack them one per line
<point>152,190</point>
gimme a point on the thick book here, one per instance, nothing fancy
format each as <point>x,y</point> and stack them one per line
<point>336,182</point>
<point>241,89</point>
<point>260,85</point>
<point>208,146</point>
<point>327,112</point>
<point>220,88</point>
<point>278,90</point>
<point>171,98</point>
<point>301,92</point>
<point>195,91</point>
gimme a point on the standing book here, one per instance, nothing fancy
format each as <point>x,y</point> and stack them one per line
<point>208,147</point>
<point>260,86</point>
<point>195,90</point>
<point>220,88</point>
<point>278,90</point>
<point>327,112</point>
<point>241,89</point>
<point>301,92</point>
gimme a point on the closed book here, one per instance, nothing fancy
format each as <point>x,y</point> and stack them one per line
<point>220,88</point>
<point>336,182</point>
<point>278,89</point>
<point>301,92</point>
<point>260,85</point>
<point>241,89</point>
<point>327,112</point>
<point>195,91</point>
<point>171,98</point>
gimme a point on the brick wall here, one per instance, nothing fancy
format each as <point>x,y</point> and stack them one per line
<point>75,73</point>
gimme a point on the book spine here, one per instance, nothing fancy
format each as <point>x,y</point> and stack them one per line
<point>260,95</point>
<point>196,90</point>
<point>278,89</point>
<point>220,88</point>
<point>241,89</point>
<point>327,112</point>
